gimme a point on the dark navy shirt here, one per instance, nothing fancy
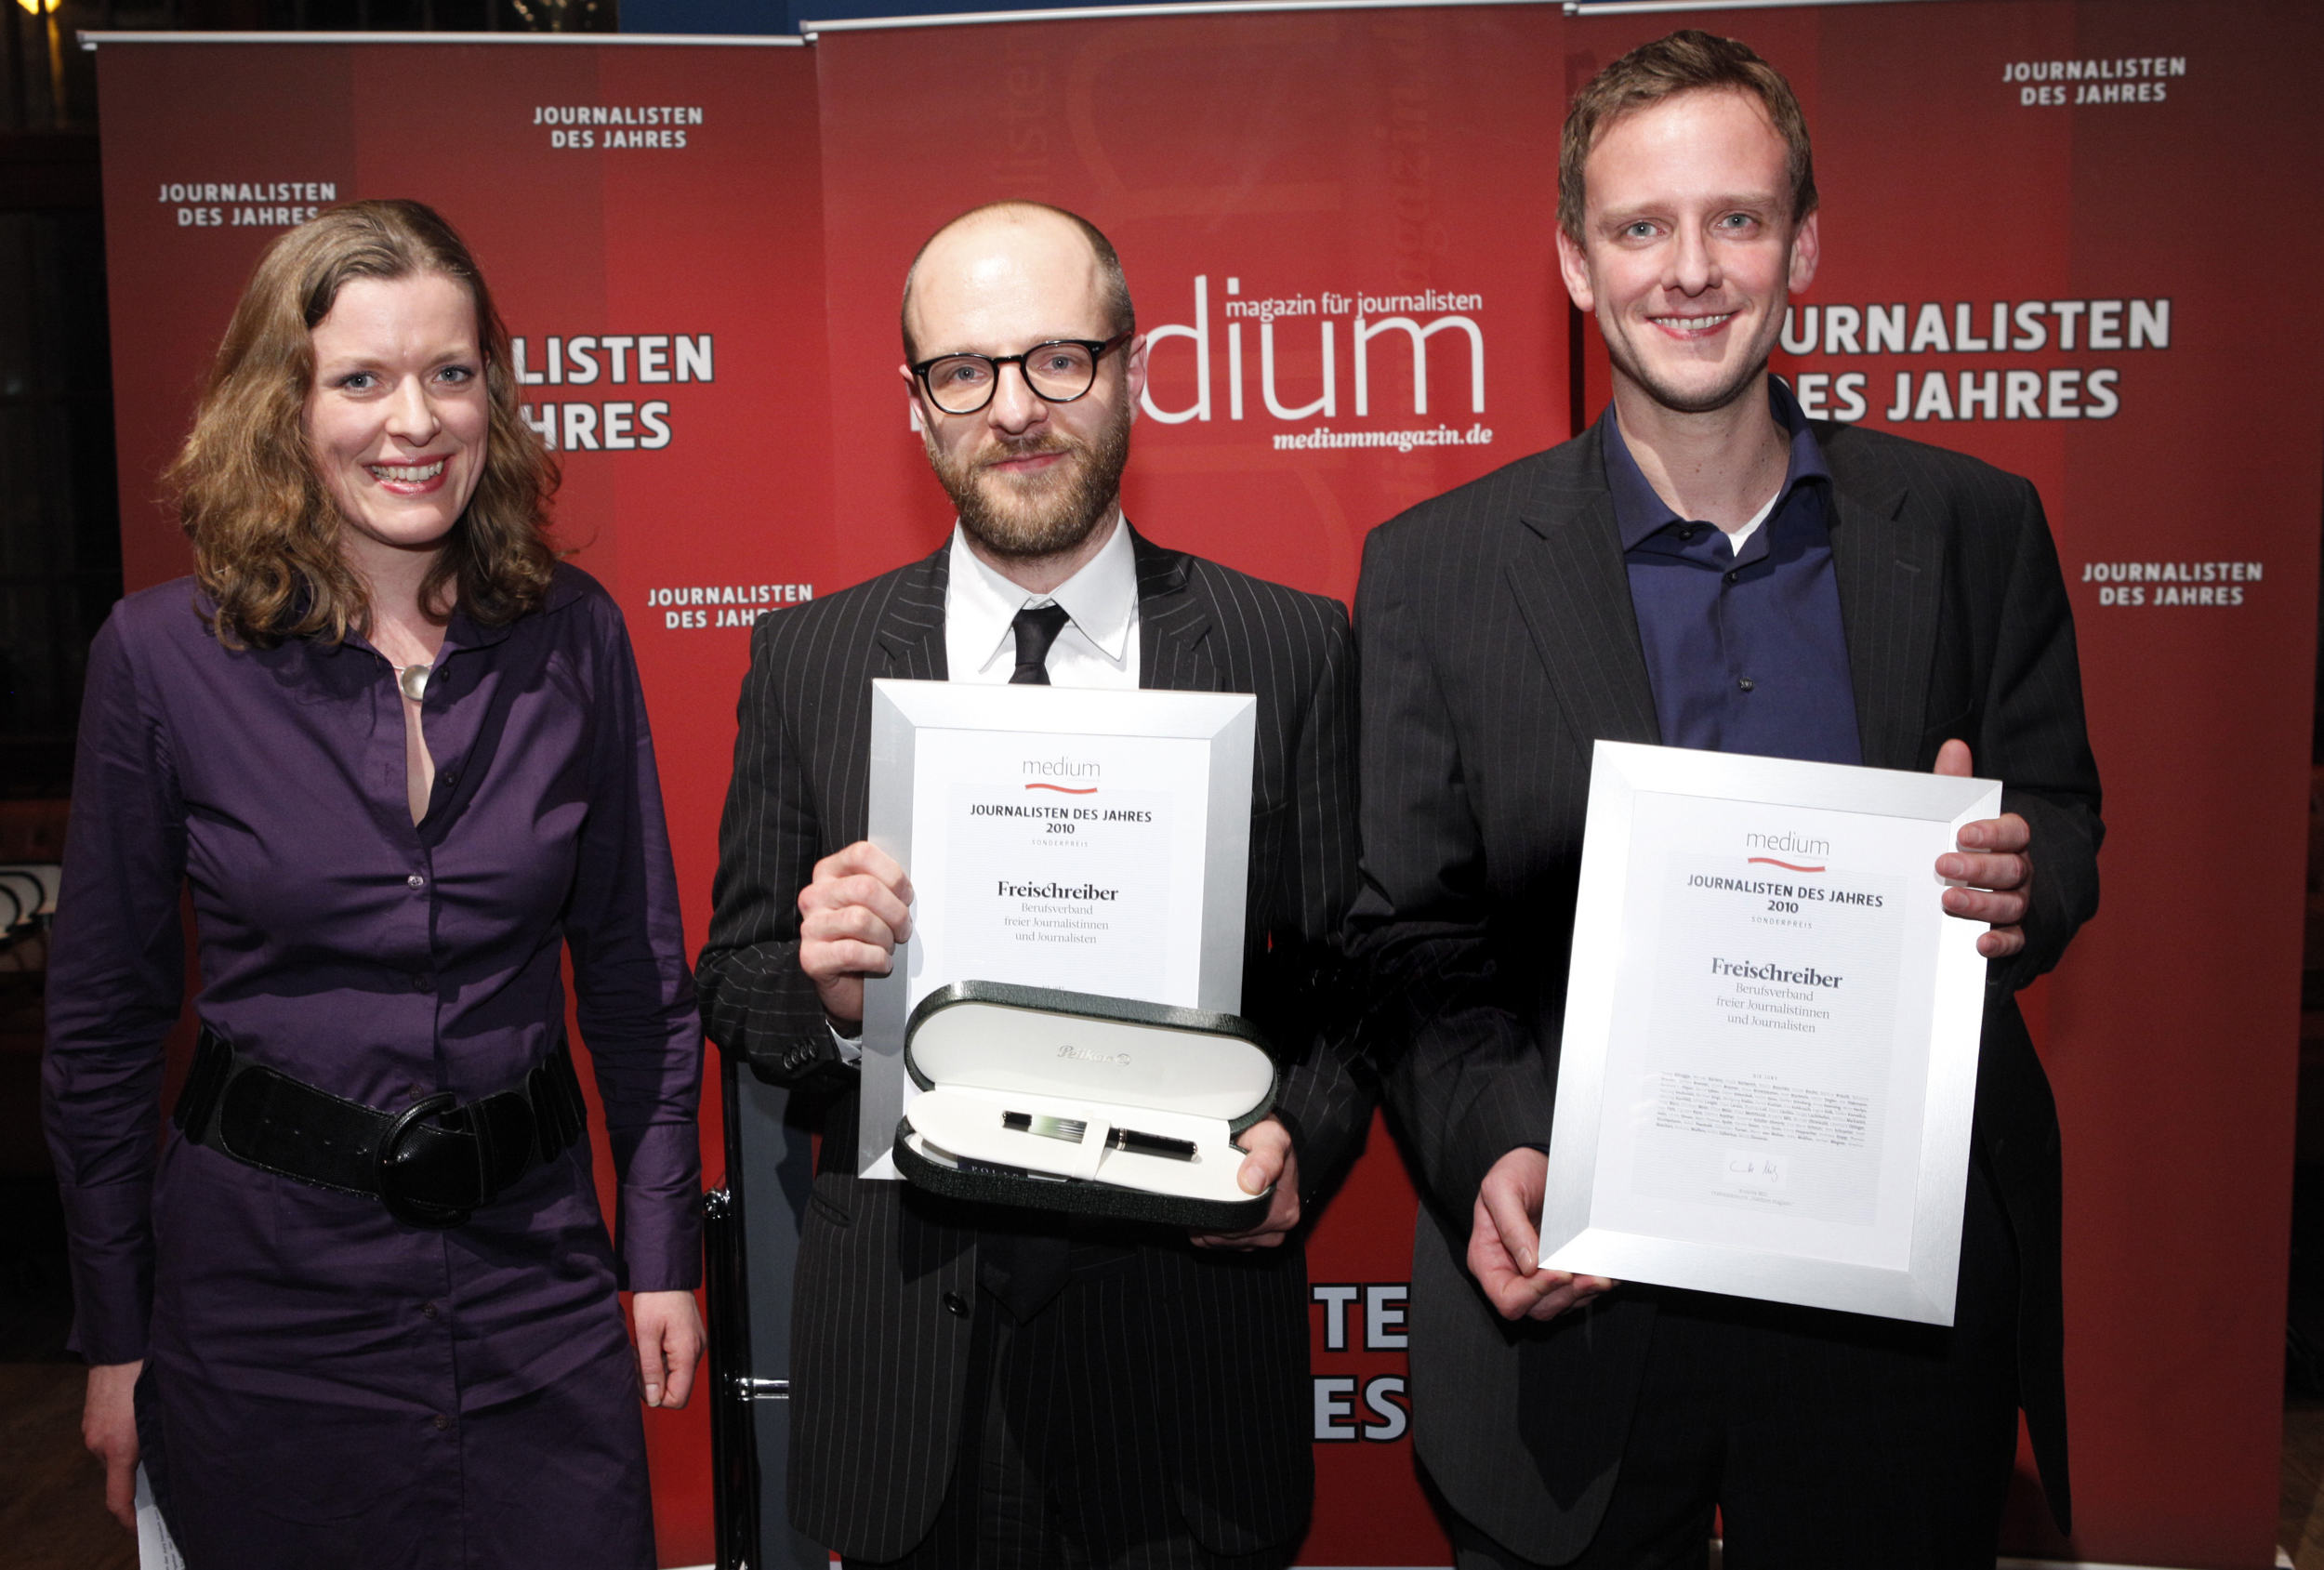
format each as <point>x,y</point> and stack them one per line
<point>1746,650</point>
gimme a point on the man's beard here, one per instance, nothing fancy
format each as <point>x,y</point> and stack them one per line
<point>1050,513</point>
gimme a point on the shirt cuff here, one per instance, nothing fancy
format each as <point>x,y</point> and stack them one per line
<point>112,1233</point>
<point>661,1211</point>
<point>851,1047</point>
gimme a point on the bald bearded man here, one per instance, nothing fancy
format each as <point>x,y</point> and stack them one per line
<point>983,1385</point>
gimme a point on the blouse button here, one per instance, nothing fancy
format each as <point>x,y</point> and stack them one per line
<point>439,1422</point>
<point>416,881</point>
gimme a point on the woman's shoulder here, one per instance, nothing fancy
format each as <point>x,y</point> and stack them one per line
<point>572,592</point>
<point>578,616</point>
<point>568,585</point>
<point>577,606</point>
<point>171,616</point>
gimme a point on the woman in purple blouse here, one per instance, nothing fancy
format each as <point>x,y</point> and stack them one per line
<point>361,1310</point>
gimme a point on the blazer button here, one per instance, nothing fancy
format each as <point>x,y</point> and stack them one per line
<point>955,1305</point>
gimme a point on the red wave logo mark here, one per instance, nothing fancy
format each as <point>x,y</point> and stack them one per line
<point>1770,861</point>
<point>1061,791</point>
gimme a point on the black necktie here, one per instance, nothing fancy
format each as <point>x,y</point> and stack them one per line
<point>1026,1268</point>
<point>1037,628</point>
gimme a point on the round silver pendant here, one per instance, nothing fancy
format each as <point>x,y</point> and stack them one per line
<point>413,679</point>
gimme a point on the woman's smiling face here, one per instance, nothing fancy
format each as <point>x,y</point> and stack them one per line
<point>397,415</point>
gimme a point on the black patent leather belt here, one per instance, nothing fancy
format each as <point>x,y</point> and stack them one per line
<point>431,1162</point>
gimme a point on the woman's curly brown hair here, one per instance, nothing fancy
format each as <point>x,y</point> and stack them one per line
<point>265,532</point>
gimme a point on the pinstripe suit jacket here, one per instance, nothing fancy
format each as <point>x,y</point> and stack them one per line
<point>1499,643</point>
<point>878,1342</point>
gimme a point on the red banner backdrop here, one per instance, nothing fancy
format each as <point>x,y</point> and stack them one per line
<point>1261,224</point>
<point>2028,206</point>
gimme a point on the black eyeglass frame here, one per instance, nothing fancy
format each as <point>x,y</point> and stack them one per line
<point>1099,350</point>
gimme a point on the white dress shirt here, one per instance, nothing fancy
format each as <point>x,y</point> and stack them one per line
<point>1097,648</point>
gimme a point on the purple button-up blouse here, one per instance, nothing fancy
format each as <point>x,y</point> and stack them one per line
<point>382,962</point>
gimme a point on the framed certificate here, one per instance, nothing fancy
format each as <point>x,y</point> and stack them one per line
<point>1087,839</point>
<point>1770,1049</point>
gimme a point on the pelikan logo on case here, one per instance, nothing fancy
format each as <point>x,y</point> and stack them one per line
<point>1083,1055</point>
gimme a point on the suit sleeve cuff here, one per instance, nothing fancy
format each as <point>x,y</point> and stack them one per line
<point>1516,1116</point>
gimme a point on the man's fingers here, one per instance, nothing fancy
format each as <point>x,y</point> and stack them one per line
<point>1515,1288</point>
<point>2003,908</point>
<point>1504,1245</point>
<point>1953,758</point>
<point>1266,1236</point>
<point>1267,1145</point>
<point>1269,1160</point>
<point>1984,871</point>
<point>1512,1293</point>
<point>1553,1303</point>
<point>1578,1290</point>
<point>866,858</point>
<point>1542,1295</point>
<point>826,962</point>
<point>859,922</point>
<point>1515,1226</point>
<point>2009,832</point>
<point>2001,942</point>
<point>1508,1276</point>
<point>855,898</point>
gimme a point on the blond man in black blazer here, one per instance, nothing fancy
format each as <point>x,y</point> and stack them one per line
<point>1704,567</point>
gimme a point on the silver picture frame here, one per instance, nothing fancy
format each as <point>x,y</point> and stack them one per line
<point>1619,1154</point>
<point>1223,724</point>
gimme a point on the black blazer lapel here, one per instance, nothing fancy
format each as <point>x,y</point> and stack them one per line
<point>1174,624</point>
<point>910,631</point>
<point>1574,593</point>
<point>1890,573</point>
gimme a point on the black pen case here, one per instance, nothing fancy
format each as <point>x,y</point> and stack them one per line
<point>1067,1101</point>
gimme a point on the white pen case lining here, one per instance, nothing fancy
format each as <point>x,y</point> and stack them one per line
<point>967,1124</point>
<point>981,1052</point>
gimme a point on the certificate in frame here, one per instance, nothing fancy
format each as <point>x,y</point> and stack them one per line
<point>1152,791</point>
<point>1769,1059</point>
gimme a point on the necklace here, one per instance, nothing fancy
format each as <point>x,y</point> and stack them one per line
<point>413,680</point>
